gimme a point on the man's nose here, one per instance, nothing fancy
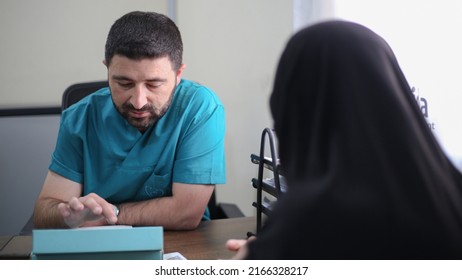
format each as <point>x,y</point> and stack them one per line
<point>139,99</point>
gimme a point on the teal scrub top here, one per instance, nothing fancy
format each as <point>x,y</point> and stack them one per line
<point>99,149</point>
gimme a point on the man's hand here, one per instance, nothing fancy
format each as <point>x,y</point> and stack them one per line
<point>89,210</point>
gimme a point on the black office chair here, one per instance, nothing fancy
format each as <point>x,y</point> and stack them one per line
<point>75,92</point>
<point>78,91</point>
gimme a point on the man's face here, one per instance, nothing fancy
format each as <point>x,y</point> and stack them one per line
<point>142,90</point>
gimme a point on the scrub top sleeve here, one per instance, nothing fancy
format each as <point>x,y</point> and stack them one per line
<point>201,157</point>
<point>67,159</point>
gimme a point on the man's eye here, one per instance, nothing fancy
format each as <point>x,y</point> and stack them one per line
<point>124,85</point>
<point>156,85</point>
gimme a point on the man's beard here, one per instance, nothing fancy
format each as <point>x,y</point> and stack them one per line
<point>142,124</point>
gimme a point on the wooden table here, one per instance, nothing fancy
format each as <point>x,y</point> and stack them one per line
<point>207,242</point>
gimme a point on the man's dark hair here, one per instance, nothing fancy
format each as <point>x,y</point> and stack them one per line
<point>139,35</point>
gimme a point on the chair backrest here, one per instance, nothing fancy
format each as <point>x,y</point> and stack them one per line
<point>78,91</point>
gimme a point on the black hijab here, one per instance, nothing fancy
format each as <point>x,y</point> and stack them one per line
<point>367,178</point>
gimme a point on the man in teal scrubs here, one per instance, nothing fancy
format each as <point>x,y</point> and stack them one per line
<point>148,150</point>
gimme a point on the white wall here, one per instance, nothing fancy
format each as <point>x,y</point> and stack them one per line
<point>233,47</point>
<point>48,45</point>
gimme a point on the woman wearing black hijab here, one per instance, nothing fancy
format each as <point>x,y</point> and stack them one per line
<point>367,178</point>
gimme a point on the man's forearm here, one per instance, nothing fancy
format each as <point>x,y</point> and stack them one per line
<point>181,211</point>
<point>159,212</point>
<point>46,214</point>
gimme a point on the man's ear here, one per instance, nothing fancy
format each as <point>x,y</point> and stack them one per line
<point>104,62</point>
<point>179,72</point>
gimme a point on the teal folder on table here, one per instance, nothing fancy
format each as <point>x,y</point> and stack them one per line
<point>106,243</point>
